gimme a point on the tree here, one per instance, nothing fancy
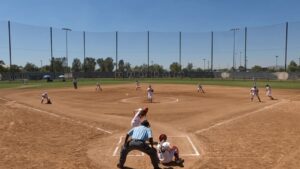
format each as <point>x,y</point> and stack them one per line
<point>175,67</point>
<point>76,65</point>
<point>293,67</point>
<point>109,64</point>
<point>2,68</point>
<point>101,64</point>
<point>15,68</point>
<point>189,67</point>
<point>89,64</point>
<point>241,68</point>
<point>30,67</point>
<point>59,64</point>
<point>256,68</point>
<point>121,65</point>
<point>156,68</point>
<point>127,67</point>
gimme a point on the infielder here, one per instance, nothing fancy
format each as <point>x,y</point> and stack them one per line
<point>98,87</point>
<point>137,85</point>
<point>166,152</point>
<point>46,97</point>
<point>150,92</point>
<point>200,89</point>
<point>269,91</point>
<point>139,116</point>
<point>254,92</point>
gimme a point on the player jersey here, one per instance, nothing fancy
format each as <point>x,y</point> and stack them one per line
<point>45,95</point>
<point>165,153</point>
<point>136,120</point>
<point>150,91</point>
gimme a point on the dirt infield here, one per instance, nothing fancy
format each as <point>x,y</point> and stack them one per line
<point>84,128</point>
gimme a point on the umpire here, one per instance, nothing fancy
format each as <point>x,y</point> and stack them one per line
<point>139,135</point>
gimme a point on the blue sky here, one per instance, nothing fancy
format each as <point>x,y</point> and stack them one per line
<point>157,16</point>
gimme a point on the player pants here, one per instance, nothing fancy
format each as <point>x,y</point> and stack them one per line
<point>141,146</point>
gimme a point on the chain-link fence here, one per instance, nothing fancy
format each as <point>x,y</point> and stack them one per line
<point>27,48</point>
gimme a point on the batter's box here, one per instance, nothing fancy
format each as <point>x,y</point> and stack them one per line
<point>184,143</point>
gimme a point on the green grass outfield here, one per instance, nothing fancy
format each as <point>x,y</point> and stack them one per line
<point>104,81</point>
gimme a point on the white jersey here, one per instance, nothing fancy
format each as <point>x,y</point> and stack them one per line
<point>45,95</point>
<point>150,92</point>
<point>253,91</point>
<point>269,91</point>
<point>136,120</point>
<point>165,153</point>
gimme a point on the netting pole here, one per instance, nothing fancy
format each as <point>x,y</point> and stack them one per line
<point>51,52</point>
<point>180,50</point>
<point>148,52</point>
<point>245,48</point>
<point>84,51</point>
<point>116,54</point>
<point>9,44</point>
<point>286,44</point>
<point>212,51</point>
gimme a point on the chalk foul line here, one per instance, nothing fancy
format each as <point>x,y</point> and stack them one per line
<point>59,116</point>
<point>238,117</point>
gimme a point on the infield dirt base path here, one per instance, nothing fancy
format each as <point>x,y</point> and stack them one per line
<point>82,128</point>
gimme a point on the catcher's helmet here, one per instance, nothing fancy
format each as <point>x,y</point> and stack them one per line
<point>162,137</point>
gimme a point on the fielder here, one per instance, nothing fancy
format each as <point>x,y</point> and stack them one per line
<point>269,91</point>
<point>254,92</point>
<point>200,89</point>
<point>137,85</point>
<point>75,82</point>
<point>150,92</point>
<point>46,97</point>
<point>139,116</point>
<point>98,87</point>
<point>166,152</point>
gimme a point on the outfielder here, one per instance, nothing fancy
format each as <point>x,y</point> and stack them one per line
<point>150,92</point>
<point>75,82</point>
<point>139,116</point>
<point>200,89</point>
<point>269,91</point>
<point>46,97</point>
<point>254,92</point>
<point>166,152</point>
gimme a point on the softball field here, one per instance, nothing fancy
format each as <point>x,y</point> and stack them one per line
<point>85,129</point>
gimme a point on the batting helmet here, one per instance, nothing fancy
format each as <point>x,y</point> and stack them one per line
<point>162,137</point>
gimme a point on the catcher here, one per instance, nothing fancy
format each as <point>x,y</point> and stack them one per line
<point>166,152</point>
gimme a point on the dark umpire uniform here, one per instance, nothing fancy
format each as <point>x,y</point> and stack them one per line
<point>139,135</point>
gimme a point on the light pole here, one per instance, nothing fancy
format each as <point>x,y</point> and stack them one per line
<point>204,64</point>
<point>276,67</point>
<point>233,57</point>
<point>299,62</point>
<point>67,29</point>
